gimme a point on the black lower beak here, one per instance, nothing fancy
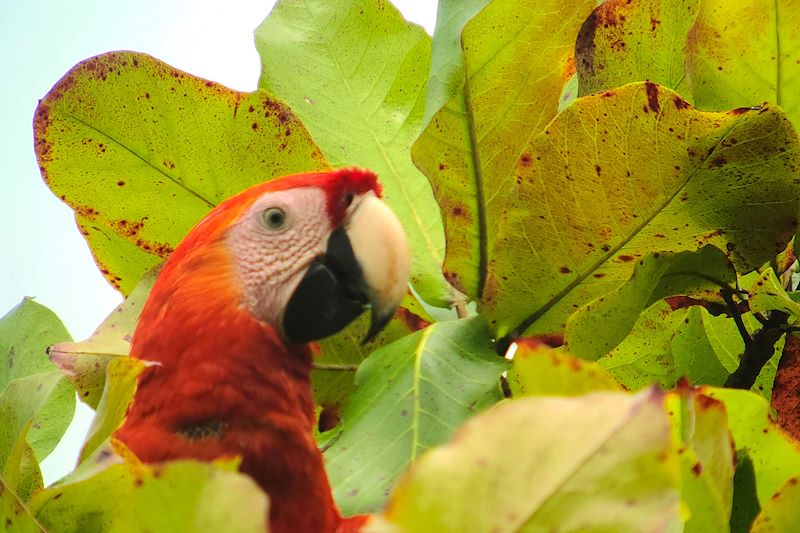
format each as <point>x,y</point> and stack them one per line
<point>331,294</point>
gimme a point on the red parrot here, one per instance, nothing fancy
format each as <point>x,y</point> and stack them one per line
<point>228,325</point>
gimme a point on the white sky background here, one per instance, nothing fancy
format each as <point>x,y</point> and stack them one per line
<point>42,254</point>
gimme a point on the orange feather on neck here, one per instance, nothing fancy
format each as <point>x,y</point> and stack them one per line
<point>226,385</point>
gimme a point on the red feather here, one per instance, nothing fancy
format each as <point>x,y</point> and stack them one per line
<point>226,384</point>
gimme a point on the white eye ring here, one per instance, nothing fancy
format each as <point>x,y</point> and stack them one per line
<point>274,218</point>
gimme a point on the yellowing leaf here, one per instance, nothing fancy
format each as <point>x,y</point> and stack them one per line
<point>624,41</point>
<point>515,68</point>
<point>600,462</point>
<point>539,370</point>
<point>141,151</point>
<point>626,173</point>
<point>743,53</point>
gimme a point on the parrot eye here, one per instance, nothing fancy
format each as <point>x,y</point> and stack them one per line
<point>274,218</point>
<point>348,199</point>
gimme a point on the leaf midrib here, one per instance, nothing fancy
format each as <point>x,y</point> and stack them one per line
<point>544,308</point>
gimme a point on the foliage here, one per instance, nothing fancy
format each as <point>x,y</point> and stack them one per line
<point>615,187</point>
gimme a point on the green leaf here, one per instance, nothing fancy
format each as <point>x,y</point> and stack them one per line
<point>142,151</point>
<point>727,343</point>
<point>781,513</point>
<point>447,59</point>
<point>410,395</point>
<point>706,450</point>
<point>542,371</point>
<point>36,403</point>
<point>13,514</point>
<point>344,351</point>
<point>775,456</point>
<point>740,54</point>
<point>177,496</point>
<point>120,387</point>
<point>600,462</point>
<point>624,41</point>
<point>85,362</point>
<point>626,173</point>
<point>596,328</point>
<point>767,294</point>
<point>664,346</point>
<point>355,71</point>
<point>514,77</point>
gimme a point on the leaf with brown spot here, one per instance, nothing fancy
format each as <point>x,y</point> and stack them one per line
<point>180,144</point>
<point>707,455</point>
<point>510,90</point>
<point>624,41</point>
<point>741,54</point>
<point>780,514</point>
<point>539,370</point>
<point>656,180</point>
<point>775,456</point>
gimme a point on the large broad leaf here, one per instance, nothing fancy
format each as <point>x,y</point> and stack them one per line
<point>410,396</point>
<point>781,513</point>
<point>744,53</point>
<point>774,456</point>
<point>85,362</point>
<point>626,173</point>
<point>600,462</point>
<point>624,41</point>
<point>179,496</point>
<point>36,402</point>
<point>141,151</point>
<point>356,72</point>
<point>515,69</point>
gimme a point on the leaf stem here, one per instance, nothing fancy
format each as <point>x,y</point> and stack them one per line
<point>334,366</point>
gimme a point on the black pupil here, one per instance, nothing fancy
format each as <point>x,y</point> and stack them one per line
<point>275,218</point>
<point>348,199</point>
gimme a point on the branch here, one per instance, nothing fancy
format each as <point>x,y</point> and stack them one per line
<point>758,352</point>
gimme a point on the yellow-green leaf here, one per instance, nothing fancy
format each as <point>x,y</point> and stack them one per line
<point>543,371</point>
<point>743,53</point>
<point>142,151</point>
<point>626,173</point>
<point>781,513</point>
<point>600,462</point>
<point>515,68</point>
<point>624,41</point>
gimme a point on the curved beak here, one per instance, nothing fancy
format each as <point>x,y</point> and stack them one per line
<point>366,265</point>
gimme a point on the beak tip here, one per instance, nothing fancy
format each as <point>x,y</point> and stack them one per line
<point>378,321</point>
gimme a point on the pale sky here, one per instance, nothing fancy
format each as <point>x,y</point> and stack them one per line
<point>43,253</point>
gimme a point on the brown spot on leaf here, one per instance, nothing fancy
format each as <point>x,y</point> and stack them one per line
<point>625,258</point>
<point>525,160</point>
<point>739,111</point>
<point>717,162</point>
<point>597,169</point>
<point>599,275</point>
<point>680,103</point>
<point>652,96</point>
<point>565,270</point>
<point>120,183</point>
<point>697,469</point>
<point>414,322</point>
